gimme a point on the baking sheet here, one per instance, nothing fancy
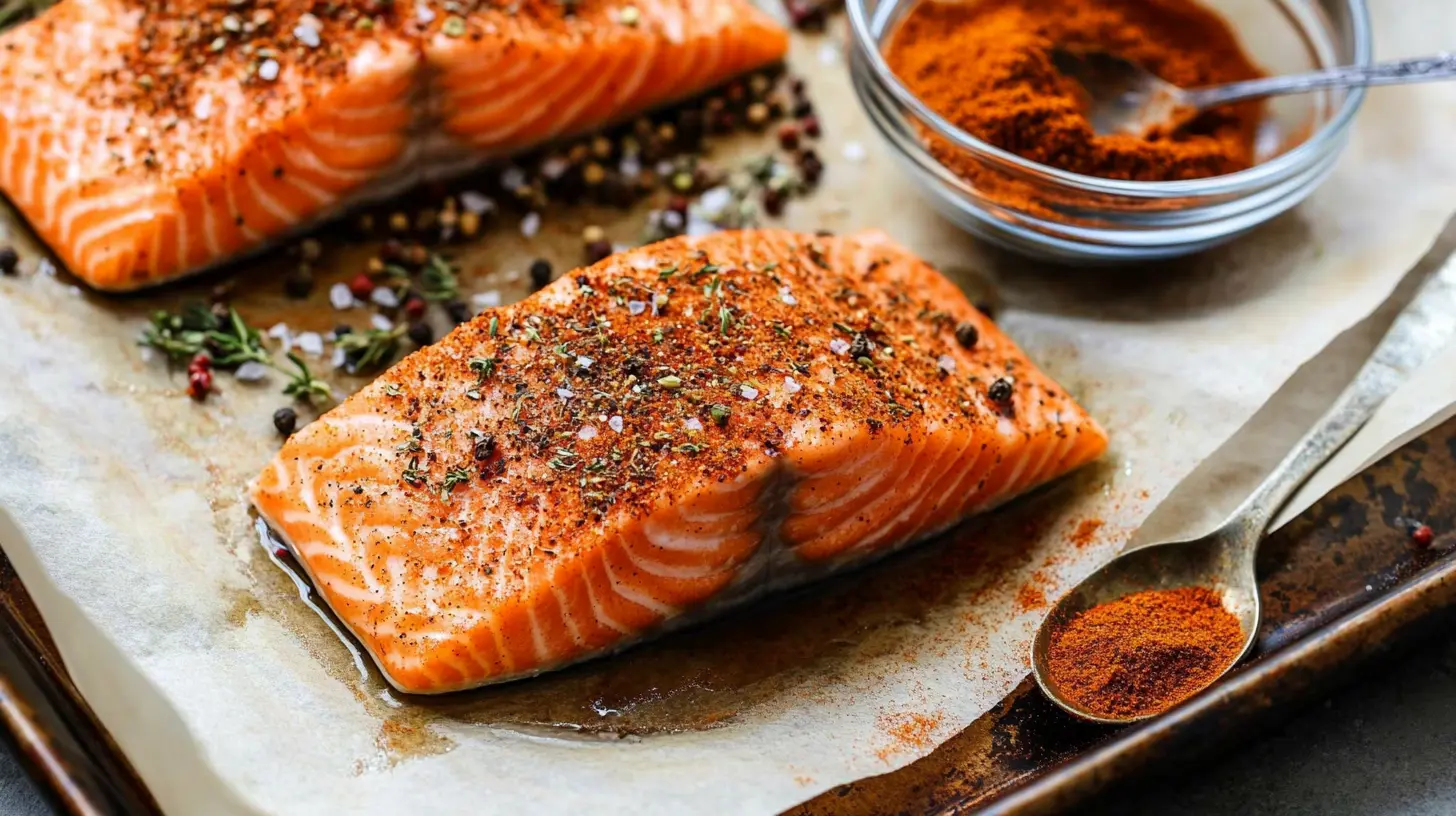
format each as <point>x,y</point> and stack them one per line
<point>140,551</point>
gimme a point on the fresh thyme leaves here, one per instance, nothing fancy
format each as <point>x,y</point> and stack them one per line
<point>453,477</point>
<point>303,385</point>
<point>196,330</point>
<point>438,281</point>
<point>412,474</point>
<point>483,368</point>
<point>392,389</point>
<point>370,350</point>
<point>494,326</point>
<point>725,319</point>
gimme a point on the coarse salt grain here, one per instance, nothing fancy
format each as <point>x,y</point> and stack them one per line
<point>828,54</point>
<point>792,386</point>
<point>698,226</point>
<point>250,372</point>
<point>672,219</point>
<point>531,224</point>
<point>310,343</point>
<point>555,167</point>
<point>787,297</point>
<point>339,358</point>
<point>587,432</point>
<point>306,31</point>
<point>854,151</point>
<point>636,307</point>
<point>630,165</point>
<point>424,15</point>
<point>947,363</point>
<point>385,297</point>
<point>268,71</point>
<point>340,297</point>
<point>615,423</point>
<point>583,361</point>
<point>381,322</point>
<point>715,200</point>
<point>476,202</point>
<point>838,345</point>
<point>486,300</point>
<point>565,393</point>
<point>279,331</point>
<point>202,108</point>
<point>748,392</point>
<point>693,424</point>
<point>512,177</point>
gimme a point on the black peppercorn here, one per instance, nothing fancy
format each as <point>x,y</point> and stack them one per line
<point>597,251</point>
<point>458,311</point>
<point>967,335</point>
<point>285,420</point>
<point>540,273</point>
<point>860,347</point>
<point>773,201</point>
<point>342,329</point>
<point>810,167</point>
<point>298,283</point>
<point>484,447</point>
<point>420,333</point>
<point>9,260</point>
<point>1000,390</point>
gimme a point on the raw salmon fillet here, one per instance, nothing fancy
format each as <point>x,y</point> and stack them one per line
<point>675,430</point>
<point>149,139</point>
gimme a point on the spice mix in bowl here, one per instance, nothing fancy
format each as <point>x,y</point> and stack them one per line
<point>969,96</point>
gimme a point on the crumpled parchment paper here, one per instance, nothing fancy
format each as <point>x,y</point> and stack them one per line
<point>231,695</point>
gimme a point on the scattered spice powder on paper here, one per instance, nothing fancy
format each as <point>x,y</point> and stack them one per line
<point>909,731</point>
<point>1085,532</point>
<point>1144,653</point>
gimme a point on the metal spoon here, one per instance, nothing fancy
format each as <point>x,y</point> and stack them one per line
<point>1125,98</point>
<point>1224,559</point>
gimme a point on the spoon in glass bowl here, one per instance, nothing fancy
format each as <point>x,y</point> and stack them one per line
<point>1223,561</point>
<point>1126,98</point>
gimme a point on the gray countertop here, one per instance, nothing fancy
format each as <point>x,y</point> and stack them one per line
<point>1386,745</point>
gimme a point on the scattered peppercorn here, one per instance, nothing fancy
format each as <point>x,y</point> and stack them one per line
<point>789,136</point>
<point>414,308</point>
<point>362,286</point>
<point>458,311</point>
<point>420,333</point>
<point>9,260</point>
<point>285,420</point>
<point>773,201</point>
<point>540,273</point>
<point>810,167</point>
<point>1422,535</point>
<point>1000,390</point>
<point>598,250</point>
<point>199,377</point>
<point>966,334</point>
<point>811,127</point>
<point>298,283</point>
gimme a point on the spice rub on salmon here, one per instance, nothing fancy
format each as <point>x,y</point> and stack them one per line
<point>149,139</point>
<point>674,430</point>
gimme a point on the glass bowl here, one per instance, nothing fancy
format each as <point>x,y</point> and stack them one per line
<point>1053,214</point>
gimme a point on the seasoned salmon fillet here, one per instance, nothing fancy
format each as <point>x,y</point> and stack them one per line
<point>672,431</point>
<point>149,139</point>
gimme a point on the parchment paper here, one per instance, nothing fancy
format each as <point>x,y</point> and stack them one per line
<point>229,694</point>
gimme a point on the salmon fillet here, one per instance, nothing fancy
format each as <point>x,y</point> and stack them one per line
<point>675,430</point>
<point>149,139</point>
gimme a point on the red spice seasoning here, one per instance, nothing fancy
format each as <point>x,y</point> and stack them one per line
<point>1144,653</point>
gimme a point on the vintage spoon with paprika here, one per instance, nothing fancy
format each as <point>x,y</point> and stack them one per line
<point>1126,98</point>
<point>1223,561</point>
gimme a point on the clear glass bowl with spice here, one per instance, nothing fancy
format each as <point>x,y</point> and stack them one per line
<point>966,95</point>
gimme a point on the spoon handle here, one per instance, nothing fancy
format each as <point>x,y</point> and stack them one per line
<point>1419,69</point>
<point>1424,327</point>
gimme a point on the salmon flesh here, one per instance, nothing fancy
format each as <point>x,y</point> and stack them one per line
<point>145,140</point>
<point>675,430</point>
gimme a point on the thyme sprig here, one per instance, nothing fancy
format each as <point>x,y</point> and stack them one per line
<point>196,329</point>
<point>303,385</point>
<point>370,350</point>
<point>438,281</point>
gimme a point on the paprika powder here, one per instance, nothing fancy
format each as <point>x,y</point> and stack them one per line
<point>1144,653</point>
<point>985,65</point>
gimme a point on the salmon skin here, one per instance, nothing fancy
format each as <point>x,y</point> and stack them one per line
<point>145,140</point>
<point>675,430</point>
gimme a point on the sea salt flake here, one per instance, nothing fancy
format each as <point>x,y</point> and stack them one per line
<point>476,202</point>
<point>424,15</point>
<point>787,297</point>
<point>310,343</point>
<point>587,432</point>
<point>340,297</point>
<point>664,168</point>
<point>698,226</point>
<point>381,322</point>
<point>565,393</point>
<point>583,361</point>
<point>250,372</point>
<point>715,200</point>
<point>531,224</point>
<point>512,177</point>
<point>202,108</point>
<point>615,423</point>
<point>748,392</point>
<point>636,307</point>
<point>947,363</point>
<point>385,297</point>
<point>307,31</point>
<point>672,219</point>
<point>693,424</point>
<point>555,167</point>
<point>268,71</point>
<point>838,345</point>
<point>486,300</point>
<point>792,386</point>
<point>854,151</point>
<point>339,359</point>
<point>828,54</point>
<point>279,331</point>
